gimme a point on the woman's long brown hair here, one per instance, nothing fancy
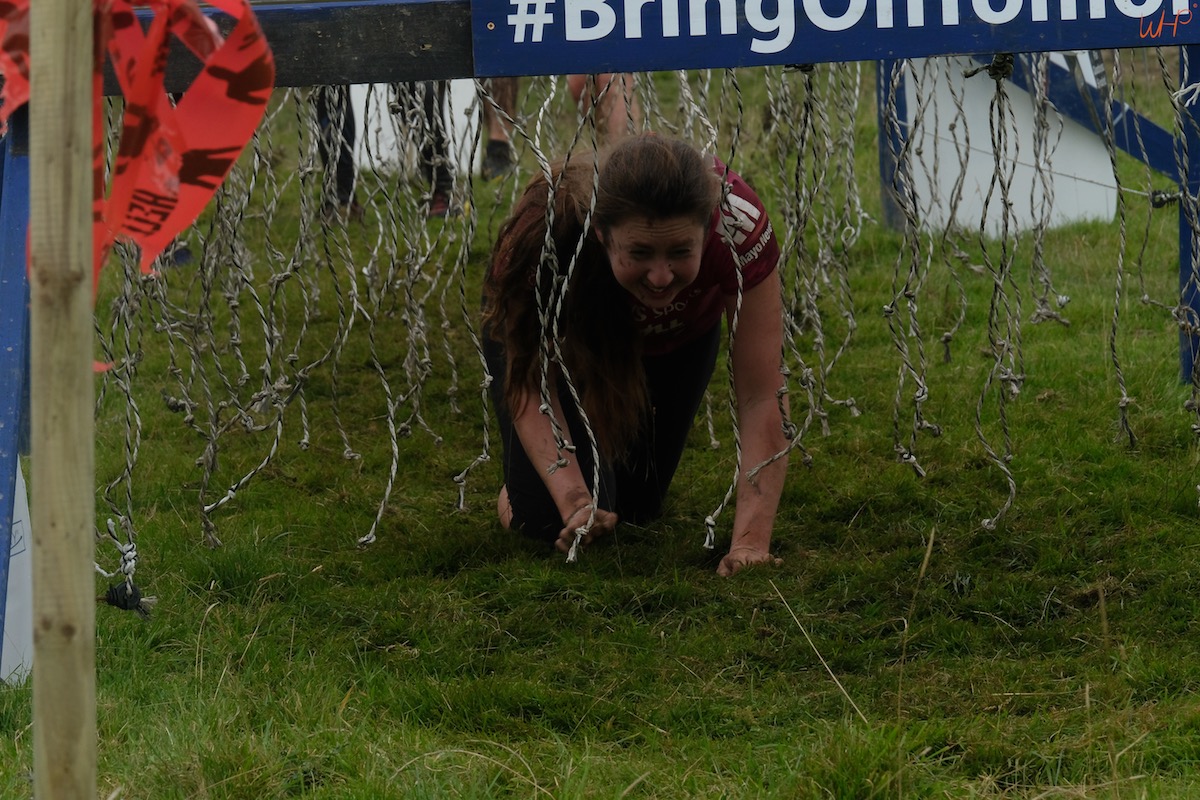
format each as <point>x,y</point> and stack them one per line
<point>651,176</point>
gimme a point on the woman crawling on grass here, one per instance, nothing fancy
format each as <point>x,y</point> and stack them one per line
<point>638,336</point>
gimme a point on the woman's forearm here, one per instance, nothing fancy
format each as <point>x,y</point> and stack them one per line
<point>559,469</point>
<point>762,438</point>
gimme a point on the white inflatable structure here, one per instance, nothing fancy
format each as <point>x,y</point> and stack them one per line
<point>1075,158</point>
<point>16,616</point>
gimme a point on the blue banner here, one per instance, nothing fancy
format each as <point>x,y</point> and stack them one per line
<point>543,37</point>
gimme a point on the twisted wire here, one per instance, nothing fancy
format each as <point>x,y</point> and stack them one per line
<point>1003,327</point>
<point>1119,267</point>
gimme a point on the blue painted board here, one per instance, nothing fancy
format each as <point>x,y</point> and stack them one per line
<point>14,328</point>
<point>528,37</point>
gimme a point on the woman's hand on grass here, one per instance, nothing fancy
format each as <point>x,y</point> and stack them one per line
<point>742,556</point>
<point>603,525</point>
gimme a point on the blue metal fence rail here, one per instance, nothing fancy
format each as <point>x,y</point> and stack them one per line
<point>14,331</point>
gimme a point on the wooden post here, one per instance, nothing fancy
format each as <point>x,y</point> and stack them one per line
<point>62,507</point>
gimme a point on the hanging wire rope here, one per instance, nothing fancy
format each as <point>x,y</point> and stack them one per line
<point>289,319</point>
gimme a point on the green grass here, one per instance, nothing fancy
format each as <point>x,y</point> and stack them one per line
<point>900,651</point>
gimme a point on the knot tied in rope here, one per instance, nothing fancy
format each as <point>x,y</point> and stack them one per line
<point>1162,199</point>
<point>128,597</point>
<point>1000,69</point>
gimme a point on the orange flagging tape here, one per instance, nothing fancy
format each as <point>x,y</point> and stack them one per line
<point>173,154</point>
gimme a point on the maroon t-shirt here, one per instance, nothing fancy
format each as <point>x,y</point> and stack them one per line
<point>740,238</point>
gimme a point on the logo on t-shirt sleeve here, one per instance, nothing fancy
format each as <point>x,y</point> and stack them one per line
<point>739,220</point>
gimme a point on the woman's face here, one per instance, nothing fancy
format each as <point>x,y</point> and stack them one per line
<point>654,259</point>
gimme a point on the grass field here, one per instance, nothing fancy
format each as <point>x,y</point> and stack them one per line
<point>901,650</point>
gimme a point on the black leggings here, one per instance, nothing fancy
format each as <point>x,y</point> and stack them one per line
<point>335,118</point>
<point>634,488</point>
